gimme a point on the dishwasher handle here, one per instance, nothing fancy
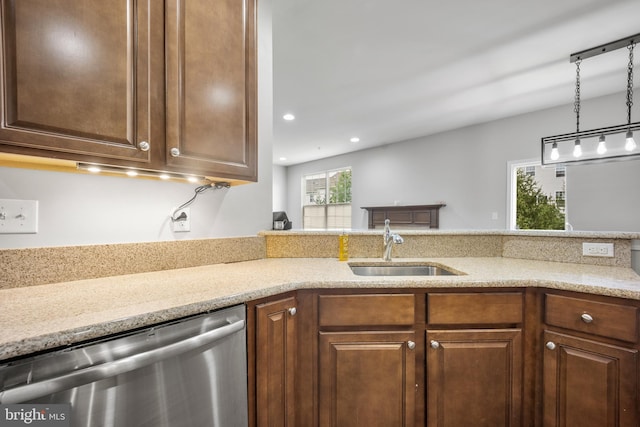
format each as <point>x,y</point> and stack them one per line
<point>91,374</point>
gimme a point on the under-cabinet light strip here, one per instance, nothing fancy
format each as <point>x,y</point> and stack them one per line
<point>133,172</point>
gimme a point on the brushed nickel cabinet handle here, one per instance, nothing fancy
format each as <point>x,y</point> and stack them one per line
<point>435,344</point>
<point>174,152</point>
<point>292,311</point>
<point>144,146</point>
<point>411,345</point>
<point>586,318</point>
<point>550,345</point>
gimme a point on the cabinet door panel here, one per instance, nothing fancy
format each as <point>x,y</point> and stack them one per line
<point>587,383</point>
<point>474,378</point>
<point>211,86</point>
<point>367,379</point>
<point>275,363</point>
<point>76,78</point>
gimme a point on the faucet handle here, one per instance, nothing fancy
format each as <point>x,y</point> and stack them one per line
<point>397,239</point>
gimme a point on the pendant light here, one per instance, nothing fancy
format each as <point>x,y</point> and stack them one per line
<point>555,154</point>
<point>602,144</point>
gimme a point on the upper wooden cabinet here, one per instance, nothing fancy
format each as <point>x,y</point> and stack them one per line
<point>82,80</point>
<point>211,86</point>
<point>155,85</point>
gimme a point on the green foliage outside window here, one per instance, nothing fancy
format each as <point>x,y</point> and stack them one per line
<point>340,191</point>
<point>536,210</point>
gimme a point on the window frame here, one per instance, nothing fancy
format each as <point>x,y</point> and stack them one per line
<point>327,197</point>
<point>512,167</point>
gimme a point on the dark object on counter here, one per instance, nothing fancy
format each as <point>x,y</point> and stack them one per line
<point>281,222</point>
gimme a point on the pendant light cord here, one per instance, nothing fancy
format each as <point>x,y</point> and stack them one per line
<point>630,83</point>
<point>576,102</point>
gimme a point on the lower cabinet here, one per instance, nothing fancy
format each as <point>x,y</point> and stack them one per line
<point>474,378</point>
<point>588,383</point>
<point>367,379</point>
<point>483,358</point>
<point>275,363</point>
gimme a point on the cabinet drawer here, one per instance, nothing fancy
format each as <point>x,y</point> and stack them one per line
<point>366,310</point>
<point>481,309</point>
<point>598,318</point>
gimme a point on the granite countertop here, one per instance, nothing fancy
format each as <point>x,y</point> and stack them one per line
<point>579,234</point>
<point>42,317</point>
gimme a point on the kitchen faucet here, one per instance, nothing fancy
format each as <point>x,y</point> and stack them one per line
<point>389,239</point>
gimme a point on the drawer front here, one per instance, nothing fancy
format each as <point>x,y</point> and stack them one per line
<point>598,318</point>
<point>480,309</point>
<point>366,310</point>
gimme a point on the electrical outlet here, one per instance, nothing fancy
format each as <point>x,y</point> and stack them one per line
<point>18,216</point>
<point>597,249</point>
<point>182,220</point>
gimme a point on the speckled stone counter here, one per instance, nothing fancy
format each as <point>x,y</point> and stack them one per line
<point>557,246</point>
<point>37,266</point>
<point>41,317</point>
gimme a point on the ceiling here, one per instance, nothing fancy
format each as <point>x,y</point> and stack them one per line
<point>391,70</point>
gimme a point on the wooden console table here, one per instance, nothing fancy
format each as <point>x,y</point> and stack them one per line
<point>419,216</point>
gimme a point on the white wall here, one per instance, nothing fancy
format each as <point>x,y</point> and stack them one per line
<point>79,209</point>
<point>467,169</point>
<point>279,188</point>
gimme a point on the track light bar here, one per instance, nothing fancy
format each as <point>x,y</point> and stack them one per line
<point>598,50</point>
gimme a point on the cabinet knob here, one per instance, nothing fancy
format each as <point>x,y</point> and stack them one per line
<point>550,345</point>
<point>586,318</point>
<point>144,146</point>
<point>174,152</point>
<point>435,344</point>
<point>292,311</point>
<point>411,345</point>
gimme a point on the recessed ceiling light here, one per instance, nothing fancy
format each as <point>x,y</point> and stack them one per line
<point>288,117</point>
<point>355,139</point>
<point>282,159</point>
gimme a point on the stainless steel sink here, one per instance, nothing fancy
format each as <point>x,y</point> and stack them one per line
<point>400,270</point>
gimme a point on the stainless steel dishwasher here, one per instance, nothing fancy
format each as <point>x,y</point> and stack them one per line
<point>186,373</point>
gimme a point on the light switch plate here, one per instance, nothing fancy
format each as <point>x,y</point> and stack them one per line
<point>18,216</point>
<point>597,249</point>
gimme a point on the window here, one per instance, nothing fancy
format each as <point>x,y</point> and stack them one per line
<point>537,196</point>
<point>326,202</point>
